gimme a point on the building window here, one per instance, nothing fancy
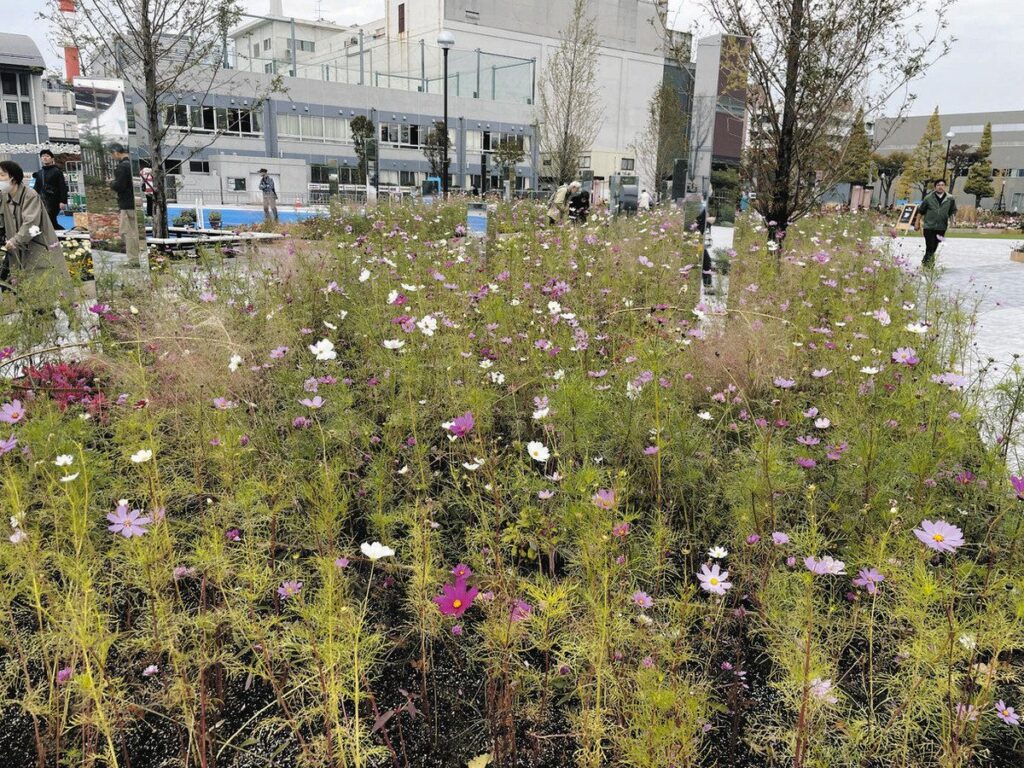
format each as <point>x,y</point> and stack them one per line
<point>306,45</point>
<point>236,185</point>
<point>585,162</point>
<point>401,18</point>
<point>627,163</point>
<point>407,178</point>
<point>197,118</point>
<point>266,44</point>
<point>270,67</point>
<point>198,166</point>
<point>16,92</point>
<point>256,51</point>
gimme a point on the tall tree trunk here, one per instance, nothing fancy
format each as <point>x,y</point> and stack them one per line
<point>781,198</point>
<point>154,136</point>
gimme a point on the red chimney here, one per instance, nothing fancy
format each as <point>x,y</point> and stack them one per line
<point>72,64</point>
<point>67,6</point>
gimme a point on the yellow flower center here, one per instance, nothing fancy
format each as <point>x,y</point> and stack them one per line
<point>456,604</point>
<point>15,415</point>
<point>713,581</point>
<point>938,537</point>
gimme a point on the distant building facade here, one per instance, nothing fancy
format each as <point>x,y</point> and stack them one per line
<point>22,116</point>
<point>1007,150</point>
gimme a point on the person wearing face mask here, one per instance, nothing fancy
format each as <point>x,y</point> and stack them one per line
<point>935,213</point>
<point>30,243</point>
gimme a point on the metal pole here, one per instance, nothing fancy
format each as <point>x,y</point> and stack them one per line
<point>423,65</point>
<point>361,57</point>
<point>444,166</point>
<point>945,162</point>
<point>477,94</point>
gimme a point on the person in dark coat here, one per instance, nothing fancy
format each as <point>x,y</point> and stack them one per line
<point>269,196</point>
<point>124,186</point>
<point>936,210</point>
<point>51,186</point>
<point>579,203</point>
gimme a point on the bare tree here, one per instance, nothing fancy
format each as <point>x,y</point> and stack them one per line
<point>810,61</point>
<point>164,50</point>
<point>663,137</point>
<point>569,103</point>
<point>436,149</point>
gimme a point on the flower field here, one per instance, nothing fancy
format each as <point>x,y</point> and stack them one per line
<point>396,497</point>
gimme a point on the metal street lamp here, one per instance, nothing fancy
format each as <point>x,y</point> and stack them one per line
<point>945,163</point>
<point>446,40</point>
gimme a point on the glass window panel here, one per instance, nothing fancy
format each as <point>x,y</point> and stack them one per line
<point>26,87</point>
<point>12,111</point>
<point>288,125</point>
<point>257,120</point>
<point>26,113</point>
<point>9,81</point>
<point>312,127</point>
<point>222,118</point>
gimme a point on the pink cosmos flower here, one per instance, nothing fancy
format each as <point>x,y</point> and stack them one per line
<point>223,404</point>
<point>289,589</point>
<point>12,412</point>
<point>314,403</point>
<point>521,610</point>
<point>456,598</point>
<point>461,571</point>
<point>1007,714</point>
<point>940,535</point>
<point>1016,482</point>
<point>341,563</point>
<point>604,498</point>
<point>869,578</point>
<point>820,373</point>
<point>783,383</point>
<point>621,530</point>
<point>64,674</point>
<point>462,425</point>
<point>151,670</point>
<point>713,579</point>
<point>545,495</point>
<point>8,445</point>
<point>780,539</point>
<point>650,450</point>
<point>457,630</point>
<point>127,522</point>
<point>905,356</point>
<point>278,353</point>
<point>805,462</point>
<point>826,566</point>
<point>643,599</point>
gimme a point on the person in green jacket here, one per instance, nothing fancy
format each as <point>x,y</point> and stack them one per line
<point>935,213</point>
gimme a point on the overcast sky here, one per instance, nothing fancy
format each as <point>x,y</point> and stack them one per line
<point>983,72</point>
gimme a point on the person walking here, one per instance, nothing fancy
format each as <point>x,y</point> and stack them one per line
<point>557,204</point>
<point>51,186</point>
<point>269,195</point>
<point>644,202</point>
<point>579,203</point>
<point>123,185</point>
<point>29,240</point>
<point>937,210</point>
<point>148,188</point>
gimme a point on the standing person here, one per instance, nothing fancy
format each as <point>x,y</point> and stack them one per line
<point>124,186</point>
<point>51,187</point>
<point>644,202</point>
<point>29,238</point>
<point>269,195</point>
<point>579,203</point>
<point>148,188</point>
<point>936,211</point>
<point>557,204</point>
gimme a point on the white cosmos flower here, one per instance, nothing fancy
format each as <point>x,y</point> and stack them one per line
<point>485,364</point>
<point>64,460</point>
<point>718,552</point>
<point>393,343</point>
<point>540,413</point>
<point>870,370</point>
<point>410,288</point>
<point>142,456</point>
<point>917,327</point>
<point>392,296</point>
<point>497,377</point>
<point>554,307</point>
<point>364,276</point>
<point>822,423</point>
<point>558,375</point>
<point>515,302</point>
<point>234,363</point>
<point>323,350</point>
<point>330,325</point>
<point>404,470</point>
<point>705,415</point>
<point>18,536</point>
<point>69,478</point>
<point>427,325</point>
<point>538,451</point>
<point>376,550</point>
<point>476,464</point>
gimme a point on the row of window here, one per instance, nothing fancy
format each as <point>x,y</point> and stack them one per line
<point>628,163</point>
<point>308,46</point>
<point>337,130</point>
<point>12,111</point>
<point>202,119</point>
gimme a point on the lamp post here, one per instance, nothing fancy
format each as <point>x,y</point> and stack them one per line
<point>945,163</point>
<point>446,40</point>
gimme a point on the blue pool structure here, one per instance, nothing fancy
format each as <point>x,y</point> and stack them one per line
<point>231,216</point>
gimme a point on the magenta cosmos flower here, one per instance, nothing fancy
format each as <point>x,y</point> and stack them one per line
<point>905,356</point>
<point>713,579</point>
<point>127,522</point>
<point>1018,485</point>
<point>461,572</point>
<point>604,498</point>
<point>462,425</point>
<point>521,610</point>
<point>12,412</point>
<point>940,535</point>
<point>456,598</point>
